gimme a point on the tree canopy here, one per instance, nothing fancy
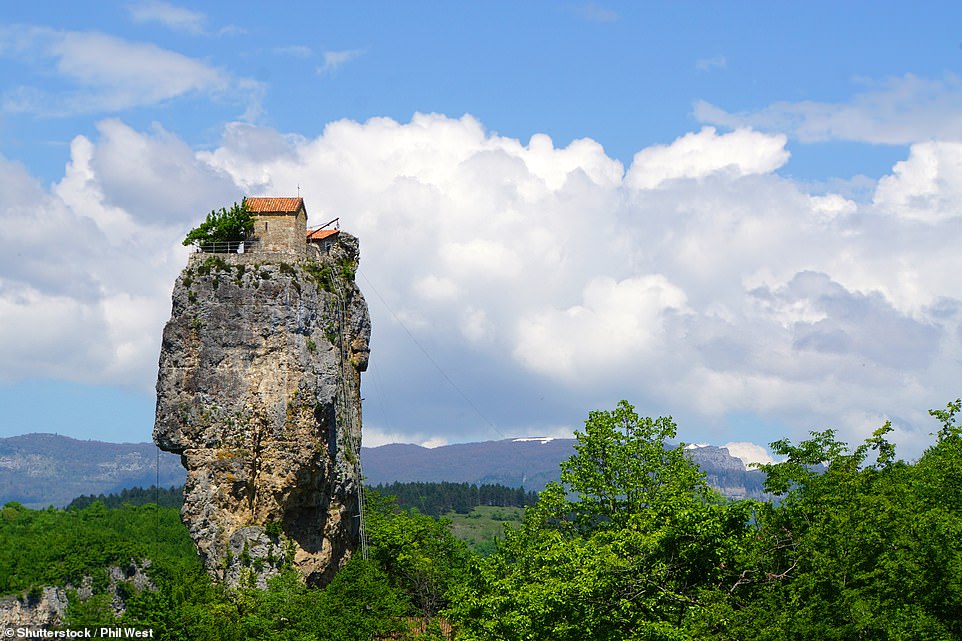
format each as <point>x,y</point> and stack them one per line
<point>634,545</point>
<point>224,226</point>
<point>631,545</point>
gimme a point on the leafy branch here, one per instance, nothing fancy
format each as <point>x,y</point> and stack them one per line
<point>226,225</point>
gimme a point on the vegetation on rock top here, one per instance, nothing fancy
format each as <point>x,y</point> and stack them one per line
<point>226,225</point>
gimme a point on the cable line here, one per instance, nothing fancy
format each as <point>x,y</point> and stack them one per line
<point>431,360</point>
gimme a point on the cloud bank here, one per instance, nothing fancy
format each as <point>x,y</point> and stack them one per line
<point>898,111</point>
<point>101,73</point>
<point>541,281</point>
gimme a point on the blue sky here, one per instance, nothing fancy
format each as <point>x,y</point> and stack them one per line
<point>741,214</point>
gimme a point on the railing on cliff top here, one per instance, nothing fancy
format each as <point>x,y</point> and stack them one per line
<point>226,246</point>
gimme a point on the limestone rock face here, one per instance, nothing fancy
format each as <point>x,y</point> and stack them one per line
<point>48,607</point>
<point>258,391</point>
<point>45,611</point>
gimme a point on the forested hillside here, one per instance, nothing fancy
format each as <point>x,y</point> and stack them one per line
<point>164,497</point>
<point>528,462</point>
<point>38,470</point>
<point>57,547</point>
<point>434,499</point>
<point>414,563</point>
<point>633,544</point>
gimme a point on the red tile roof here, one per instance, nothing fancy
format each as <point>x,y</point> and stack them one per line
<point>320,234</point>
<point>274,205</point>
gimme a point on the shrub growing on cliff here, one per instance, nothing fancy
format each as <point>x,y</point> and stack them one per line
<point>224,226</point>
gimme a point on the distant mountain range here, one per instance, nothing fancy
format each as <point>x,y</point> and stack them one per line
<point>47,469</point>
<point>528,463</point>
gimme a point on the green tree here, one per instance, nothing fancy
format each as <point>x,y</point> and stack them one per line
<point>224,226</point>
<point>644,547</point>
<point>360,604</point>
<point>185,606</point>
<point>622,467</point>
<point>420,556</point>
<point>861,545</point>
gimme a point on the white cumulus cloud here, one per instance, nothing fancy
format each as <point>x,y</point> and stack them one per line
<point>516,285</point>
<point>696,155</point>
<point>616,323</point>
<point>927,186</point>
<point>749,452</point>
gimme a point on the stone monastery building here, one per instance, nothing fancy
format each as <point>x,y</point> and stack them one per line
<point>280,227</point>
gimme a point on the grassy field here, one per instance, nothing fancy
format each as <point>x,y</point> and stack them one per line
<point>480,527</point>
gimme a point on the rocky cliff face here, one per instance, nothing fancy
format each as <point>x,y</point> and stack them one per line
<point>43,610</point>
<point>47,607</point>
<point>259,392</point>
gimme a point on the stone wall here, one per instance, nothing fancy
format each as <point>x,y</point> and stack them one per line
<point>281,232</point>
